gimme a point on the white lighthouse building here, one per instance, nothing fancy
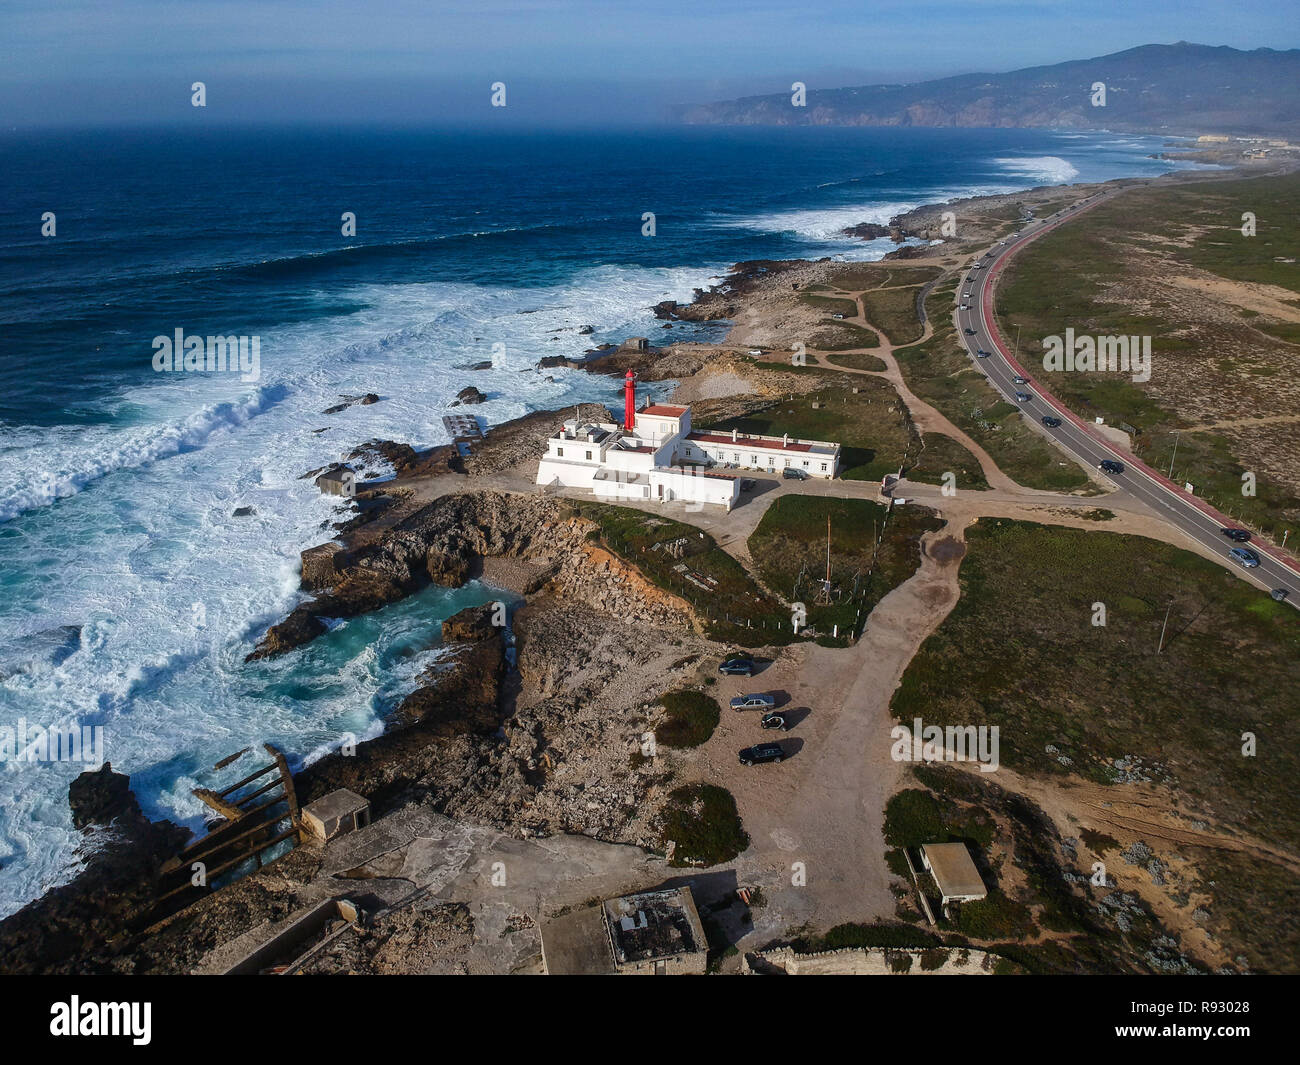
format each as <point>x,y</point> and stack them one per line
<point>655,455</point>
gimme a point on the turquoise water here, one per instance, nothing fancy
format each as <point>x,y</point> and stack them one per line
<point>129,593</point>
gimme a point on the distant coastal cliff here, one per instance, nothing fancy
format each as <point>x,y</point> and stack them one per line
<point>1178,88</point>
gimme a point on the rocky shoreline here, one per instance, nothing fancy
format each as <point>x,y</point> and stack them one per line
<point>546,748</point>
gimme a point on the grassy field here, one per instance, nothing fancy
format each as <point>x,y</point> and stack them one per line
<point>841,336</point>
<point>894,311</point>
<point>830,304</point>
<point>858,361</point>
<point>735,609</point>
<point>941,455</point>
<point>870,425</point>
<point>1020,651</point>
<point>789,548</point>
<point>1089,275</point>
<point>855,277</point>
<point>888,298</point>
<point>940,372</point>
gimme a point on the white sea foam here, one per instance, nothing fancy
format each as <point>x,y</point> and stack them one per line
<point>143,550</point>
<point>1041,169</point>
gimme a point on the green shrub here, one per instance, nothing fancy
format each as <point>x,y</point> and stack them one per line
<point>703,823</point>
<point>692,717</point>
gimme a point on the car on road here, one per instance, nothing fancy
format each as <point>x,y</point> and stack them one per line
<point>760,753</point>
<point>1245,556</point>
<point>737,666</point>
<point>965,306</point>
<point>1280,594</point>
<point>1110,466</point>
<point>1020,380</point>
<point>775,720</point>
<point>981,354</point>
<point>1237,536</point>
<point>791,473</point>
<point>753,701</point>
<point>1023,397</point>
<point>969,331</point>
<point>1050,422</point>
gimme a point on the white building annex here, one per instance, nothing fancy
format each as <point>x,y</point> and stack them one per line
<point>655,455</point>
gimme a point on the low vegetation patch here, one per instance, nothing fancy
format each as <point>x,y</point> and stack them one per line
<point>702,822</point>
<point>1112,704</point>
<point>859,360</point>
<point>870,424</point>
<point>872,551</point>
<point>941,455</point>
<point>691,718</point>
<point>941,373</point>
<point>893,310</point>
<point>1105,699</point>
<point>1119,270</point>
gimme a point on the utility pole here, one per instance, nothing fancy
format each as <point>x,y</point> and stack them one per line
<point>1171,457</point>
<point>1017,343</point>
<point>1161,648</point>
<point>828,553</point>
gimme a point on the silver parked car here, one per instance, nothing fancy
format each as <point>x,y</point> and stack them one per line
<point>753,701</point>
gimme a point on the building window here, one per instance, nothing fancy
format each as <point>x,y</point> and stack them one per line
<point>753,460</point>
<point>559,452</point>
<point>588,456</point>
<point>823,467</point>
<point>805,462</point>
<point>787,462</point>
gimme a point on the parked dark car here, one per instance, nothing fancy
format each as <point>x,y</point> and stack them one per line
<point>737,667</point>
<point>1051,422</point>
<point>1110,466</point>
<point>792,473</point>
<point>1237,536</point>
<point>776,720</point>
<point>761,752</point>
<point>1280,594</point>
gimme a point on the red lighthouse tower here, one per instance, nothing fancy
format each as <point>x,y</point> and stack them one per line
<point>629,401</point>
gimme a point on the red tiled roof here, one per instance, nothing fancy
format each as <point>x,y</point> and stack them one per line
<point>742,441</point>
<point>662,410</point>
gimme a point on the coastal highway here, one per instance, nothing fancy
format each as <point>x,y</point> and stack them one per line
<point>1077,438</point>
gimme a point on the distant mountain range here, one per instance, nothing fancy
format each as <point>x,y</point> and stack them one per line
<point>1180,88</point>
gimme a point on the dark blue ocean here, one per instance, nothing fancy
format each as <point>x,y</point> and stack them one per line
<point>129,593</point>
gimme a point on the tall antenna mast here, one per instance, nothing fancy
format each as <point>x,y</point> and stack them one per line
<point>828,552</point>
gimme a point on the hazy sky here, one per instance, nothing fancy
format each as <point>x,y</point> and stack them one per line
<point>565,61</point>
